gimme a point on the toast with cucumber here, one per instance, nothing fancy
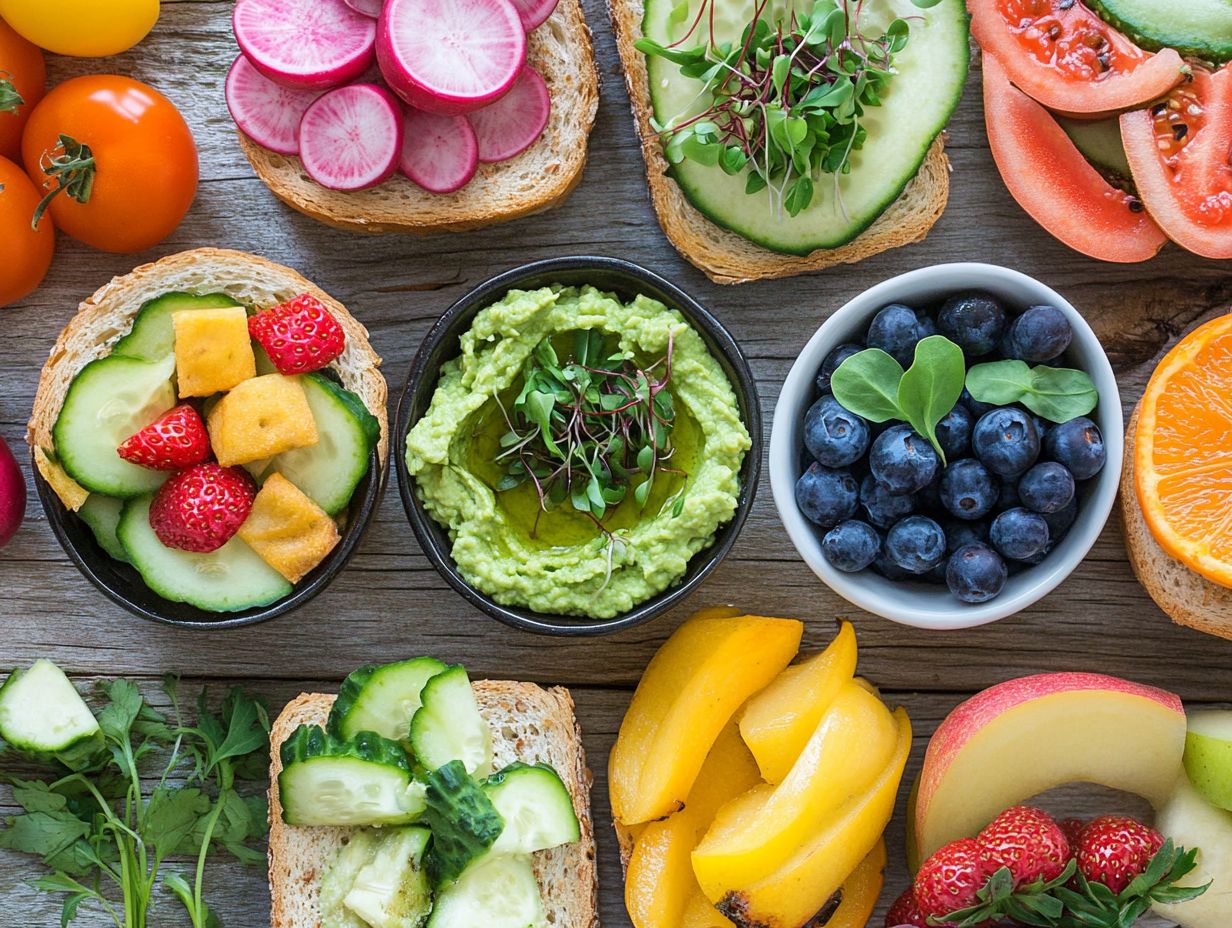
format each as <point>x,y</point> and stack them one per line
<point>416,799</point>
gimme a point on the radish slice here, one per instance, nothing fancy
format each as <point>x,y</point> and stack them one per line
<point>534,13</point>
<point>513,123</point>
<point>266,112</point>
<point>351,137</point>
<point>367,7</point>
<point>450,56</point>
<point>440,153</point>
<point>316,44</point>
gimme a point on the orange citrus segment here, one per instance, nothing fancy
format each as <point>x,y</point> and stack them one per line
<point>1183,452</point>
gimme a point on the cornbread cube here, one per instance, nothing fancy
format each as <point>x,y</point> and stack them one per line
<point>288,531</point>
<point>212,350</point>
<point>260,418</point>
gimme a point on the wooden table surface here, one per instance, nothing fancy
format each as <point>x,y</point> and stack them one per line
<point>390,602</point>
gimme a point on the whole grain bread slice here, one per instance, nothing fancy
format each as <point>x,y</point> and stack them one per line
<point>105,317</point>
<point>529,724</point>
<point>539,179</point>
<point>724,256</point>
<point>1188,598</point>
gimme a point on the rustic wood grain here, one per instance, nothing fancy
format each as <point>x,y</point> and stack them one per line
<point>391,603</point>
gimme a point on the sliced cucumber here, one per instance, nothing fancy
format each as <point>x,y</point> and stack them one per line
<point>329,471</point>
<point>152,336</point>
<point>382,699</point>
<point>44,717</point>
<point>1099,141</point>
<point>365,781</point>
<point>392,891</point>
<point>1195,28</point>
<point>925,89</point>
<point>230,579</point>
<point>448,725</point>
<point>340,876</point>
<point>498,892</point>
<point>536,807</point>
<point>102,515</point>
<point>463,820</point>
<point>109,401</point>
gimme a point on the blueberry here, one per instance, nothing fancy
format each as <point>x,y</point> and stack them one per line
<point>826,496</point>
<point>968,490</point>
<point>832,362</point>
<point>1039,335</point>
<point>936,574</point>
<point>1078,445</point>
<point>1007,495</point>
<point>1042,428</point>
<point>1005,441</point>
<point>959,532</point>
<point>888,569</point>
<point>883,508</point>
<point>851,545</point>
<point>975,573</point>
<point>928,500</point>
<point>895,330</point>
<point>1046,487</point>
<point>834,436</point>
<point>1019,534</point>
<point>954,432</point>
<point>974,406</point>
<point>902,461</point>
<point>926,326</point>
<point>1059,522</point>
<point>916,544</point>
<point>973,321</point>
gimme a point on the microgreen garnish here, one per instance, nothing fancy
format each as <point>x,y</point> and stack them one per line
<point>70,165</point>
<point>1056,393</point>
<point>10,99</point>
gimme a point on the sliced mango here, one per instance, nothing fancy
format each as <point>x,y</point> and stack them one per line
<point>860,891</point>
<point>778,721</point>
<point>758,833</point>
<point>690,691</point>
<point>699,912</point>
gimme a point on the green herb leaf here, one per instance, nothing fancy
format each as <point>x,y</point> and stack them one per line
<point>867,385</point>
<point>1057,394</point>
<point>931,386</point>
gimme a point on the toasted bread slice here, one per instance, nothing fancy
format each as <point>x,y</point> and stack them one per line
<point>540,178</point>
<point>107,315</point>
<point>1187,597</point>
<point>724,256</point>
<point>529,724</point>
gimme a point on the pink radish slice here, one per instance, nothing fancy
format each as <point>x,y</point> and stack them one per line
<point>351,137</point>
<point>439,153</point>
<point>313,44</point>
<point>450,56</point>
<point>534,13</point>
<point>513,123</point>
<point>266,112</point>
<point>367,7</point>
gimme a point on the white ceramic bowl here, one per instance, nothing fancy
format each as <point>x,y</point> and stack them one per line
<point>920,604</point>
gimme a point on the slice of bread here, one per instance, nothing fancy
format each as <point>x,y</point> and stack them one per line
<point>108,315</point>
<point>724,256</point>
<point>540,178</point>
<point>529,724</point>
<point>1188,598</point>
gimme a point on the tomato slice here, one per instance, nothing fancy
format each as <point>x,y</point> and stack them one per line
<point>1055,184</point>
<point>1069,59</point>
<point>1178,152</point>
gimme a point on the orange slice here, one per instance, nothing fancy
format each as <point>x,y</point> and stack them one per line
<point>1183,452</point>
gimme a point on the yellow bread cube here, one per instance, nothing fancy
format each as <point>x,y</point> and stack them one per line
<point>289,531</point>
<point>212,350</point>
<point>260,418</point>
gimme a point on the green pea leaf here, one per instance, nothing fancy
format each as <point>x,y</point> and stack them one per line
<point>778,72</point>
<point>999,382</point>
<point>799,195</point>
<point>931,386</point>
<point>867,385</point>
<point>1056,393</point>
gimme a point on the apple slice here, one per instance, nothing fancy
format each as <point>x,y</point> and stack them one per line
<point>1022,737</point>
<point>1191,821</point>
<point>1208,755</point>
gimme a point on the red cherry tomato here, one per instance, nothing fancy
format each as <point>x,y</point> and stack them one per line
<point>25,253</point>
<point>23,78</point>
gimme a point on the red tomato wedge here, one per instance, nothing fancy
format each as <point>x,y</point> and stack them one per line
<point>1069,59</point>
<point>1057,187</point>
<point>1178,151</point>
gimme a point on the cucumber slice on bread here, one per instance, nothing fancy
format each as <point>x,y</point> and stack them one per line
<point>392,890</point>
<point>338,878</point>
<point>152,336</point>
<point>382,699</point>
<point>448,725</point>
<point>536,807</point>
<point>499,891</point>
<point>44,717</point>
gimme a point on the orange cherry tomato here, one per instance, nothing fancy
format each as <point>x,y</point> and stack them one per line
<point>121,156</point>
<point>23,78</point>
<point>27,251</point>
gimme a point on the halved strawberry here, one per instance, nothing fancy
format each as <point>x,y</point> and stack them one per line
<point>299,336</point>
<point>201,508</point>
<point>1027,841</point>
<point>174,441</point>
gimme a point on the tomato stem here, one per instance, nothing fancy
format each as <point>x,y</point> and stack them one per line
<point>10,99</point>
<point>72,170</point>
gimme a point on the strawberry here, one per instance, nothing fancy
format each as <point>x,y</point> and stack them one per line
<point>949,879</point>
<point>1028,842</point>
<point>1113,849</point>
<point>199,509</point>
<point>299,336</point>
<point>1072,828</point>
<point>174,441</point>
<point>904,913</point>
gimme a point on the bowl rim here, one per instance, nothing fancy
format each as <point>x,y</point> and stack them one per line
<point>720,342</point>
<point>870,592</point>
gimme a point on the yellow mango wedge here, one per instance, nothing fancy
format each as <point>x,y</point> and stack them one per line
<point>778,721</point>
<point>860,891</point>
<point>690,691</point>
<point>759,832</point>
<point>795,893</point>
<point>699,912</point>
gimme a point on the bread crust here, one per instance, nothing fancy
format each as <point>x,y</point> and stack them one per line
<point>108,315</point>
<point>539,179</point>
<point>728,258</point>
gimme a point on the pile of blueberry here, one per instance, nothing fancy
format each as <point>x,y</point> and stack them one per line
<point>1011,487</point>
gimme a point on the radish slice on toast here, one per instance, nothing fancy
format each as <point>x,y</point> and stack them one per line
<point>534,13</point>
<point>351,137</point>
<point>440,153</point>
<point>367,7</point>
<point>513,123</point>
<point>266,112</point>
<point>315,44</point>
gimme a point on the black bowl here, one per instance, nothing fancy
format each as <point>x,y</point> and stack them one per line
<point>122,584</point>
<point>441,344</point>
